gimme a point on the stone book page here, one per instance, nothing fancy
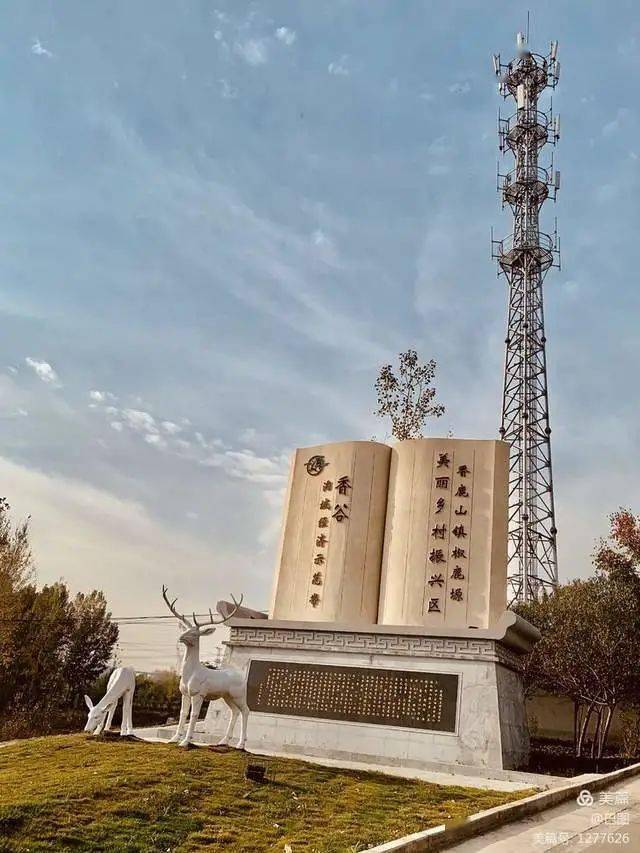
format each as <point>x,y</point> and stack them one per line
<point>445,552</point>
<point>328,567</point>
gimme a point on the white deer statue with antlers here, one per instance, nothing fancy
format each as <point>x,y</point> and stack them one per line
<point>199,683</point>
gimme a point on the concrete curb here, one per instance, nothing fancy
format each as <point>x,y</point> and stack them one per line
<point>447,834</point>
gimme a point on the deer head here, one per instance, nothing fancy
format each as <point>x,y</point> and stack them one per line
<point>96,715</point>
<point>192,629</point>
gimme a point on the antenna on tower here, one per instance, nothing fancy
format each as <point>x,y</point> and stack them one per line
<point>524,257</point>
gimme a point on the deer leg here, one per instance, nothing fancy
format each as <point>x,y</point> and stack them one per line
<point>184,711</point>
<point>112,710</point>
<point>244,711</point>
<point>234,716</point>
<point>129,712</point>
<point>196,704</point>
<point>125,728</point>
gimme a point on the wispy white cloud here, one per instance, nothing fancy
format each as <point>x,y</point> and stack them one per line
<point>248,435</point>
<point>227,90</point>
<point>285,35</point>
<point>615,125</point>
<point>207,444</point>
<point>326,248</point>
<point>139,421</point>
<point>156,441</point>
<point>270,533</point>
<point>38,49</point>
<point>253,51</point>
<point>630,48</point>
<point>101,397</point>
<point>271,279</point>
<point>440,151</point>
<point>340,67</point>
<point>439,147</point>
<point>246,465</point>
<point>320,238</point>
<point>182,441</point>
<point>43,371</point>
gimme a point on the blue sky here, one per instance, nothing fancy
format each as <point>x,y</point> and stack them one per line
<point>219,218</point>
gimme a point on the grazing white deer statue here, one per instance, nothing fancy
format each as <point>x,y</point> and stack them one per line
<point>200,683</point>
<point>121,685</point>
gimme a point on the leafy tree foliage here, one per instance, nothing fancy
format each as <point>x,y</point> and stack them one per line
<point>16,561</point>
<point>157,696</point>
<point>590,647</point>
<point>16,570</point>
<point>621,551</point>
<point>407,398</point>
<point>52,645</point>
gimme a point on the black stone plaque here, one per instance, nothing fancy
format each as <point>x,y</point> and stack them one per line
<point>384,697</point>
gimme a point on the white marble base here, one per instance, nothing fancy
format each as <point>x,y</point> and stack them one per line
<point>490,729</point>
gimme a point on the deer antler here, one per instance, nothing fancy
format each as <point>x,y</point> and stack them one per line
<point>213,621</point>
<point>172,607</point>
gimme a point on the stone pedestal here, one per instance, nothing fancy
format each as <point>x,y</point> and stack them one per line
<point>382,694</point>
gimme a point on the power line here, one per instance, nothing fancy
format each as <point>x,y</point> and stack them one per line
<point>124,618</point>
<point>120,620</point>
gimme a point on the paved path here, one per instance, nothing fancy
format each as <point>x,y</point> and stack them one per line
<point>570,827</point>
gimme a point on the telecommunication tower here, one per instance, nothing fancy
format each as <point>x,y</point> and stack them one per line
<point>524,258</point>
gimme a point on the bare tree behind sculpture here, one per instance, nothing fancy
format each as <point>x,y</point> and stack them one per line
<point>407,398</point>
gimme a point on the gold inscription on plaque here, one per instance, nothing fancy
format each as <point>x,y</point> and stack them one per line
<point>379,696</point>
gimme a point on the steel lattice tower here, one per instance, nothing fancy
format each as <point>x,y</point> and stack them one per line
<point>524,258</point>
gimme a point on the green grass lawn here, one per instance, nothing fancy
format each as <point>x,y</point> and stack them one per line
<point>73,792</point>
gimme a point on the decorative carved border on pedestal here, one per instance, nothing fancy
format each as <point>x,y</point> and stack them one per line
<point>375,644</point>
